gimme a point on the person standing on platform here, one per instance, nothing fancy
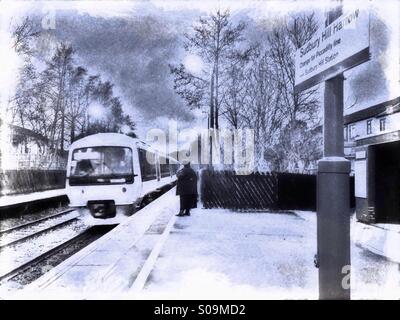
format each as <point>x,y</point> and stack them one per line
<point>186,189</point>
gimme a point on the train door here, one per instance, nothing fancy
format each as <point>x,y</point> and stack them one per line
<point>137,179</point>
<point>148,170</point>
<point>158,169</point>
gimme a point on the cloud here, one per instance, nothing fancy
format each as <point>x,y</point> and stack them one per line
<point>132,44</point>
<point>134,53</point>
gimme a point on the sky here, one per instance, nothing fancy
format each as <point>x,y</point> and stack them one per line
<point>131,43</point>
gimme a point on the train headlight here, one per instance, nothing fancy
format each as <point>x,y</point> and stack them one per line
<point>123,189</point>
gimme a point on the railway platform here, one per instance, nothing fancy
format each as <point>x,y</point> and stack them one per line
<point>379,238</point>
<point>18,199</point>
<point>212,254</point>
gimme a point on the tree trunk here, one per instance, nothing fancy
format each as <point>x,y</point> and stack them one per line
<point>216,92</point>
<point>62,127</point>
<point>72,130</point>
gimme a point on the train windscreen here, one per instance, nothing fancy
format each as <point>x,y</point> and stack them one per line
<point>101,165</point>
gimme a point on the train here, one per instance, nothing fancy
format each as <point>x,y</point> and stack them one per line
<point>110,175</point>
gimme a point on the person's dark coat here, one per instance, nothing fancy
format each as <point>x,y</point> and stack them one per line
<point>187,182</point>
<point>186,188</point>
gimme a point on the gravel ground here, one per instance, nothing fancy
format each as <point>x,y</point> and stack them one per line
<point>22,252</point>
<point>32,229</point>
<point>18,219</point>
<point>38,269</point>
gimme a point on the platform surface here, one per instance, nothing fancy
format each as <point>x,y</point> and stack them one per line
<point>11,200</point>
<point>381,238</point>
<point>213,254</point>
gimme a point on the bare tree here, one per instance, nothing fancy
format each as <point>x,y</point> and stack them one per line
<point>236,81</point>
<point>23,34</point>
<point>54,102</point>
<point>302,107</point>
<point>215,40</point>
<point>55,78</point>
<point>283,41</point>
<point>253,87</point>
<point>77,102</point>
<point>262,110</point>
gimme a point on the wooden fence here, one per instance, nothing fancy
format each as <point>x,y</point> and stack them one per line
<point>26,181</point>
<point>225,189</point>
<point>275,191</point>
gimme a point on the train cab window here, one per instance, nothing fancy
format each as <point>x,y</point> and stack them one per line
<point>101,165</point>
<point>147,168</point>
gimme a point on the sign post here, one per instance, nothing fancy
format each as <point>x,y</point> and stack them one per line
<point>333,200</point>
<point>341,45</point>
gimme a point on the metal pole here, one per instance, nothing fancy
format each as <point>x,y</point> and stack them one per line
<point>212,119</point>
<point>333,200</point>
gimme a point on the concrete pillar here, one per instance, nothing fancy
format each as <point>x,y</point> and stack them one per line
<point>333,200</point>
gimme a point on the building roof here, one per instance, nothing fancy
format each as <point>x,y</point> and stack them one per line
<point>27,132</point>
<point>380,109</point>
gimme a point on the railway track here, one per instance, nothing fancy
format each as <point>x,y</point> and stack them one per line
<point>25,231</point>
<point>36,267</point>
<point>30,249</point>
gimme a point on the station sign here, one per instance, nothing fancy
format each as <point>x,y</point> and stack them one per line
<point>340,46</point>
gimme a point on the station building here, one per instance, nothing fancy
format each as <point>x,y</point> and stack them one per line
<point>372,143</point>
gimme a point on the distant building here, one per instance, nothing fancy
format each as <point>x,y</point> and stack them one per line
<point>372,143</point>
<point>25,149</point>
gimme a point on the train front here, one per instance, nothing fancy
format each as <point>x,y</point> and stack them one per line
<point>100,180</point>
